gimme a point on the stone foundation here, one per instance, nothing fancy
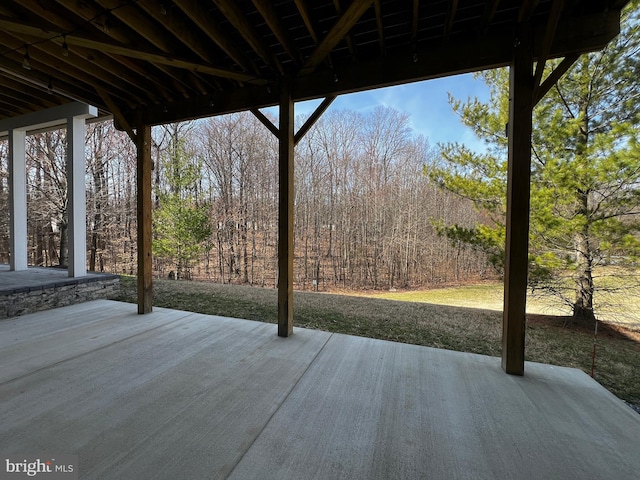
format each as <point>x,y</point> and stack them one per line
<point>23,300</point>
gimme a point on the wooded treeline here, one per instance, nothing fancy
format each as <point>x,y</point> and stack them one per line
<point>366,214</point>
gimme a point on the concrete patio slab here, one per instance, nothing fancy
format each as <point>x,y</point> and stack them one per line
<point>179,395</point>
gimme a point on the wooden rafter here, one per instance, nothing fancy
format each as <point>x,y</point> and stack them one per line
<point>42,81</point>
<point>489,13</point>
<point>195,10</point>
<point>108,64</point>
<point>162,59</point>
<point>234,14</point>
<point>178,28</point>
<point>346,21</point>
<point>51,54</point>
<point>144,26</point>
<point>27,93</point>
<point>93,15</point>
<point>271,17</point>
<point>380,26</point>
<point>17,105</point>
<point>452,10</point>
<point>141,24</point>
<point>51,15</point>
<point>347,37</point>
<point>415,15</point>
<point>90,13</point>
<point>130,74</point>
<point>54,66</point>
<point>526,10</point>
<point>301,5</point>
<point>135,68</point>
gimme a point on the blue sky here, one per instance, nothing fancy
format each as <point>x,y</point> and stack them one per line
<point>426,102</point>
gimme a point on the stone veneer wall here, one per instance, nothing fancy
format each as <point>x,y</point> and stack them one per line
<point>21,301</point>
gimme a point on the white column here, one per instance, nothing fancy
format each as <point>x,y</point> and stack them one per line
<point>76,196</point>
<point>17,200</point>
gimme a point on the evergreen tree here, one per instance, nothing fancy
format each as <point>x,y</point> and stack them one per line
<point>181,218</point>
<point>585,179</point>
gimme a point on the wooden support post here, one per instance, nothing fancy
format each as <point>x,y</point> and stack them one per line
<point>17,200</point>
<point>518,189</point>
<point>145,284</point>
<point>285,209</point>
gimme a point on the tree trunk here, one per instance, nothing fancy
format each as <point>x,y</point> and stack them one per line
<point>583,306</point>
<point>63,254</point>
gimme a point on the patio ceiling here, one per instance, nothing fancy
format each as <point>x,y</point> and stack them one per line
<point>161,61</point>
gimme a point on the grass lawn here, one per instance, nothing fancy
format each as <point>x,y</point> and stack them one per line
<point>488,296</point>
<point>622,308</point>
<point>407,318</point>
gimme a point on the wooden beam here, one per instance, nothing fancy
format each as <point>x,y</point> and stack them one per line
<point>268,12</point>
<point>518,192</point>
<point>285,213</point>
<point>337,33</point>
<point>238,19</point>
<point>143,180</point>
<point>547,41</point>
<point>94,15</point>
<point>117,114</point>
<point>306,18</point>
<point>266,122</point>
<point>91,72</point>
<point>415,15</point>
<point>199,15</point>
<point>42,79</point>
<point>124,50</point>
<point>380,26</point>
<point>347,38</point>
<point>527,8</point>
<point>312,28</point>
<point>489,12</point>
<point>26,92</point>
<point>140,23</point>
<point>137,68</point>
<point>451,18</point>
<point>313,118</point>
<point>550,81</point>
<point>18,107</point>
<point>179,28</point>
<point>89,12</point>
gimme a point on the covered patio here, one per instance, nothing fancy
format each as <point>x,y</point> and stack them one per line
<point>175,394</point>
<point>172,394</point>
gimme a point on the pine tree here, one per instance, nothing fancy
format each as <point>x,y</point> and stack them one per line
<point>585,179</point>
<point>181,219</point>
